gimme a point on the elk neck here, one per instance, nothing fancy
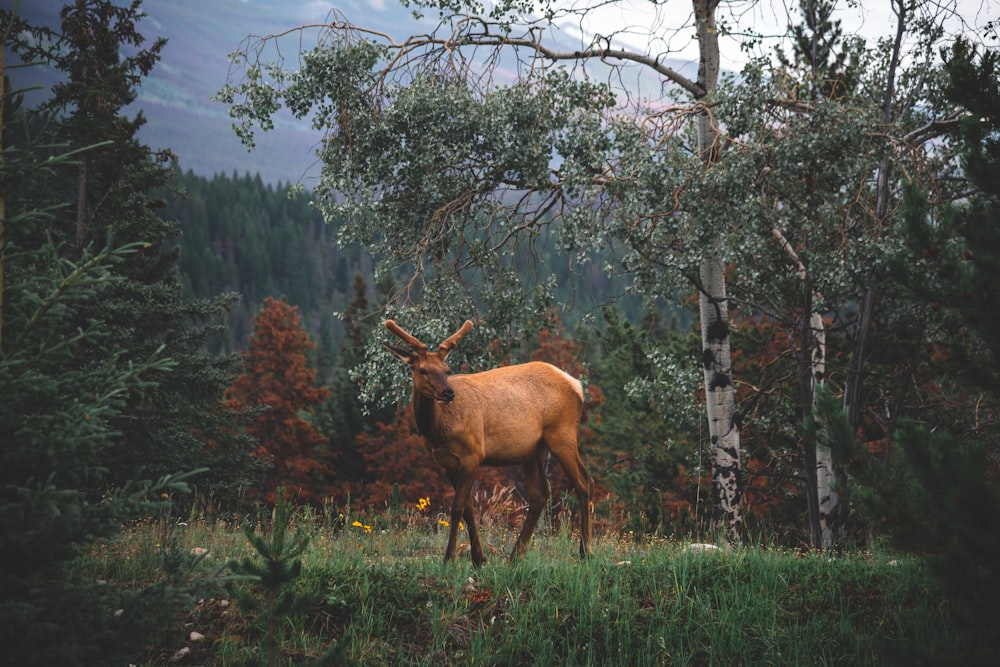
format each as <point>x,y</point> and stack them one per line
<point>425,411</point>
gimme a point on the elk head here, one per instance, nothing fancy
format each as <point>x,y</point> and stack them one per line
<point>430,372</point>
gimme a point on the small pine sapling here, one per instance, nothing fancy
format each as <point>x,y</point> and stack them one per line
<point>274,602</point>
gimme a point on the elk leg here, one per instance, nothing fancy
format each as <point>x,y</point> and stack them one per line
<point>583,496</point>
<point>462,480</point>
<point>567,452</point>
<point>478,558</point>
<point>537,487</point>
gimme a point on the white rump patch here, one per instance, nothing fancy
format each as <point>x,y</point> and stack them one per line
<point>577,385</point>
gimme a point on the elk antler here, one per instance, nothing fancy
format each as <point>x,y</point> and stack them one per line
<point>455,337</point>
<point>407,338</point>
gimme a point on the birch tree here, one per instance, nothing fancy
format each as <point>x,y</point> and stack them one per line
<point>819,134</point>
<point>820,53</point>
<point>723,425</point>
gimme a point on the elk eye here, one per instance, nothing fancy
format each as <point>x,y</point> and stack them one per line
<point>423,371</point>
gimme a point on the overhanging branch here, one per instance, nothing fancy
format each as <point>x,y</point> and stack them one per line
<point>475,32</point>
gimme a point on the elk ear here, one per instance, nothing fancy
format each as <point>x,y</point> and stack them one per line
<point>403,355</point>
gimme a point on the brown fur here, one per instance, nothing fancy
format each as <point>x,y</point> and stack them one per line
<point>506,416</point>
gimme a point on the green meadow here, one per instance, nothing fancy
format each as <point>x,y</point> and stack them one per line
<point>372,590</point>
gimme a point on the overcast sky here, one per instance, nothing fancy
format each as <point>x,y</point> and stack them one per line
<point>663,27</point>
<point>643,24</point>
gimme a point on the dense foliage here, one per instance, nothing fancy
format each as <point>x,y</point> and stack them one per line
<point>941,494</point>
<point>240,235</point>
<point>104,377</point>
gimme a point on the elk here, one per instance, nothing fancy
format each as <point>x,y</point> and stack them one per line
<point>502,417</point>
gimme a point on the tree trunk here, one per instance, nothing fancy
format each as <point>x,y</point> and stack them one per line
<point>807,397</point>
<point>81,202</point>
<point>723,425</point>
<point>3,199</point>
<point>829,475</point>
<point>822,500</point>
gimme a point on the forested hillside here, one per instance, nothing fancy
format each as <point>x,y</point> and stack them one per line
<point>241,235</point>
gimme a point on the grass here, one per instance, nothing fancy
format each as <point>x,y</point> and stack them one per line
<point>385,598</point>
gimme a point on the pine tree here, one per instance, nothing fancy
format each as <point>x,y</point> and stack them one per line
<point>955,487</point>
<point>278,382</point>
<point>818,48</point>
<point>57,423</point>
<point>343,413</point>
<point>66,384</point>
<point>278,603</point>
<point>955,257</point>
<point>109,191</point>
<point>940,496</point>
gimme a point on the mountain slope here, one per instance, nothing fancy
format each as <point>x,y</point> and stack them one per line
<point>176,98</point>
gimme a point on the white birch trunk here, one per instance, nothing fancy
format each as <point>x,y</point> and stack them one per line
<point>720,401</point>
<point>826,474</point>
<point>831,528</point>
<point>723,426</point>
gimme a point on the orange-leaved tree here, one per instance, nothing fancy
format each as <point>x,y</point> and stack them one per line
<point>395,454</point>
<point>278,383</point>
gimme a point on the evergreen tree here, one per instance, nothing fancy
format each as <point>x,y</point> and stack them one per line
<point>954,487</point>
<point>941,494</point>
<point>955,256</point>
<point>343,416</point>
<point>67,384</point>
<point>818,47</point>
<point>57,424</point>
<point>278,603</point>
<point>278,382</point>
<point>109,190</point>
